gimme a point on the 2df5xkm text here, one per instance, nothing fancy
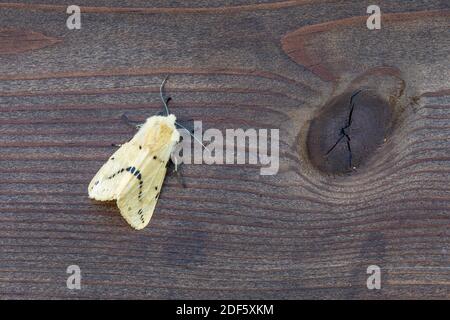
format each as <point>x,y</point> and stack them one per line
<point>226,309</point>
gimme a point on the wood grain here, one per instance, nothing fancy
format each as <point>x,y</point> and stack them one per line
<point>230,233</point>
<point>16,41</point>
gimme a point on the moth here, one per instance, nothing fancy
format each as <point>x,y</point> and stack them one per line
<point>134,174</point>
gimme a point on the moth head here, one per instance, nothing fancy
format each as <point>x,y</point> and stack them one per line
<point>171,119</point>
<point>159,131</point>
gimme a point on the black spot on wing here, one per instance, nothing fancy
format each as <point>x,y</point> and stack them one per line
<point>140,213</point>
<point>137,173</point>
<point>115,174</point>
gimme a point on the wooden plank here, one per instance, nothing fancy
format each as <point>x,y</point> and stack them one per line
<point>231,233</point>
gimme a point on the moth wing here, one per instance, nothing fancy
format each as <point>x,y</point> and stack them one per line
<point>138,199</point>
<point>112,176</point>
<point>135,173</point>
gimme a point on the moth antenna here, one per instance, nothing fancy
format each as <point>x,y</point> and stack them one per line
<point>193,136</point>
<point>162,95</point>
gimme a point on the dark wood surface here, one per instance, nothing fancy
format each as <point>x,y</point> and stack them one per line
<point>231,233</point>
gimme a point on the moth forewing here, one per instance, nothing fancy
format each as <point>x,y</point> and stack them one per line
<point>110,179</point>
<point>135,173</point>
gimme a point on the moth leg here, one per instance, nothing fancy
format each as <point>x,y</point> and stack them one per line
<point>176,164</point>
<point>135,124</point>
<point>180,178</point>
<point>174,161</point>
<point>172,168</point>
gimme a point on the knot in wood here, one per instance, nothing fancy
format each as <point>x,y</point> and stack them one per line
<point>347,131</point>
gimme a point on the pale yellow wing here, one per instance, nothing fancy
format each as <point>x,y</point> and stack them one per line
<point>113,176</point>
<point>138,199</point>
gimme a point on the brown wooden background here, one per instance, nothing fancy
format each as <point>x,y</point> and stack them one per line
<point>230,233</point>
